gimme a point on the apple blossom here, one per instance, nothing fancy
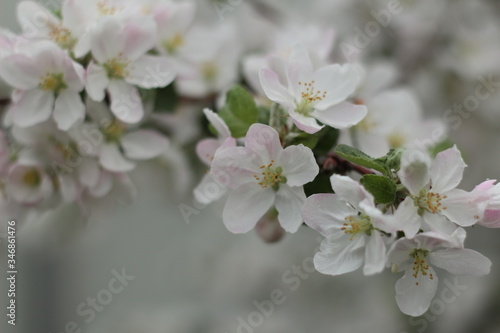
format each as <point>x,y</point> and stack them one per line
<point>263,174</point>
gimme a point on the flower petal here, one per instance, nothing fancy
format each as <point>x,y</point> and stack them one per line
<point>126,103</point>
<point>140,37</point>
<point>299,69</point>
<point>143,144</point>
<point>206,148</point>
<point>273,88</point>
<point>96,81</point>
<point>151,72</point>
<point>350,190</point>
<point>236,166</point>
<point>107,39</point>
<point>461,261</point>
<point>209,190</point>
<point>414,295</point>
<point>339,82</point>
<point>265,141</point>
<point>326,212</point>
<point>407,218</point>
<point>289,202</point>
<point>414,171</point>
<point>462,207</point>
<point>20,71</point>
<point>245,206</point>
<point>88,172</point>
<point>306,124</point>
<point>447,170</point>
<point>339,254</point>
<point>68,109</point>
<point>112,159</point>
<point>299,165</point>
<point>374,254</point>
<point>343,115</point>
<point>216,121</point>
<point>34,107</point>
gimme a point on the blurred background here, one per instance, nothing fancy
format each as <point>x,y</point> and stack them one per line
<point>145,268</point>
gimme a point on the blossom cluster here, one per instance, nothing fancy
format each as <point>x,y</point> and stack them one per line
<point>301,134</point>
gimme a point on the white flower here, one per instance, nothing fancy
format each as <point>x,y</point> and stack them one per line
<point>122,62</point>
<point>209,188</point>
<point>315,95</point>
<point>116,144</point>
<point>354,228</point>
<point>416,289</point>
<point>47,82</point>
<point>434,198</point>
<point>491,218</point>
<point>28,183</point>
<point>263,174</point>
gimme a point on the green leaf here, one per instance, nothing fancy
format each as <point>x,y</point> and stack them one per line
<point>240,111</point>
<point>308,140</point>
<point>356,156</point>
<point>392,160</point>
<point>382,188</point>
<point>166,99</point>
<point>328,137</point>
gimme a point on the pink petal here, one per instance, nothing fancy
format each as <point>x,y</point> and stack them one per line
<point>265,141</point>
<point>299,165</point>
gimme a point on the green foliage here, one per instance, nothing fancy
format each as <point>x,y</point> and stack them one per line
<point>240,111</point>
<point>356,156</point>
<point>382,188</point>
<point>327,139</point>
<point>166,98</point>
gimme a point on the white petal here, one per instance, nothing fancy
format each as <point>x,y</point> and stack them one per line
<point>20,71</point>
<point>209,190</point>
<point>245,206</point>
<point>35,20</point>
<point>343,115</point>
<point>407,219</point>
<point>273,88</point>
<point>206,148</point>
<point>151,72</point>
<point>143,144</point>
<point>306,124</point>
<point>217,122</point>
<point>374,254</point>
<point>447,170</point>
<point>414,295</point>
<point>68,109</point>
<point>349,190</point>
<point>339,82</point>
<point>299,165</point>
<point>299,69</point>
<point>461,261</point>
<point>414,172</point>
<point>399,253</point>
<point>339,254</point>
<point>462,207</point>
<point>112,159</point>
<point>107,40</point>
<point>96,81</point>
<point>140,37</point>
<point>34,107</point>
<point>88,172</point>
<point>265,141</point>
<point>326,212</point>
<point>236,166</point>
<point>68,188</point>
<point>126,103</point>
<point>289,202</point>
<point>438,223</point>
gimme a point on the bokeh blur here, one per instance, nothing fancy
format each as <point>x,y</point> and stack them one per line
<point>146,268</point>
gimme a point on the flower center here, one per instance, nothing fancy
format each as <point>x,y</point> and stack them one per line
<point>396,139</point>
<point>308,98</point>
<point>208,71</point>
<point>356,224</point>
<point>105,9</point>
<point>429,201</point>
<point>117,68</point>
<point>420,264</point>
<point>114,131</point>
<point>172,44</point>
<point>32,178</point>
<point>62,36</point>
<point>271,176</point>
<point>52,82</point>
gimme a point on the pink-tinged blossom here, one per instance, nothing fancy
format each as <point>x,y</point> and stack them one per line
<point>312,95</point>
<point>27,183</point>
<point>210,189</point>
<point>48,83</point>
<point>416,256</point>
<point>121,63</point>
<point>353,227</point>
<point>262,175</point>
<point>434,200</point>
<point>491,218</point>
